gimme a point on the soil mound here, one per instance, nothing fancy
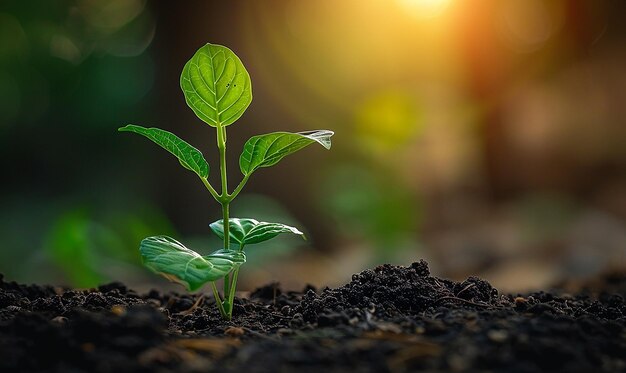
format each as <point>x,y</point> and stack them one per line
<point>389,318</point>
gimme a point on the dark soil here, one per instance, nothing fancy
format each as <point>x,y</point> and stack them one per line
<point>386,319</point>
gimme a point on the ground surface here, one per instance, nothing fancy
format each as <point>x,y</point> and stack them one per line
<point>386,319</point>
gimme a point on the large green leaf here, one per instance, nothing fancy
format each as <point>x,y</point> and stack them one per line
<point>216,85</point>
<point>251,231</point>
<point>188,156</point>
<point>172,260</point>
<point>267,150</point>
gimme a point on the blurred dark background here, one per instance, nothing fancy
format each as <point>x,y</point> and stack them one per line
<point>488,137</point>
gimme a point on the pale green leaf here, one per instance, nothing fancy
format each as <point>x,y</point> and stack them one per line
<point>216,85</point>
<point>251,231</point>
<point>267,150</point>
<point>188,156</point>
<point>237,257</point>
<point>172,260</point>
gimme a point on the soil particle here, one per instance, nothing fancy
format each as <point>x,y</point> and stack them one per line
<point>388,318</point>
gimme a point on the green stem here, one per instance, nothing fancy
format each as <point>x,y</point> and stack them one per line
<point>226,286</point>
<point>210,189</point>
<point>231,297</point>
<point>221,144</point>
<point>218,301</point>
<point>239,187</point>
<point>224,200</point>
<point>225,217</point>
<point>228,290</point>
<point>233,285</point>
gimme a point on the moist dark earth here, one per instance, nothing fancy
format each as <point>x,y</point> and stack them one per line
<point>387,319</point>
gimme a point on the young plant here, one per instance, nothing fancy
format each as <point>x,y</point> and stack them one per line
<point>218,89</point>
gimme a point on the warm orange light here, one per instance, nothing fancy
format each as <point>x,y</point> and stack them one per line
<point>425,8</point>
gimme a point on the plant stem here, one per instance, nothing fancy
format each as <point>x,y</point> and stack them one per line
<point>224,200</point>
<point>231,297</point>
<point>210,189</point>
<point>239,187</point>
<point>233,285</point>
<point>226,286</point>
<point>221,145</point>
<point>225,216</point>
<point>218,301</point>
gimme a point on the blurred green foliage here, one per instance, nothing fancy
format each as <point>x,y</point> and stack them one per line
<point>93,247</point>
<point>68,70</point>
<point>373,207</point>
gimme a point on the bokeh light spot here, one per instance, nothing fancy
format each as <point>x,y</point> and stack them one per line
<point>425,8</point>
<point>387,120</point>
<point>527,25</point>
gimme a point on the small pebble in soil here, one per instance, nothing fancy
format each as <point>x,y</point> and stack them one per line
<point>498,336</point>
<point>234,331</point>
<point>59,320</point>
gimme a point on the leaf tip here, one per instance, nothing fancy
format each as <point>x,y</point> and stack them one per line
<point>325,139</point>
<point>126,128</point>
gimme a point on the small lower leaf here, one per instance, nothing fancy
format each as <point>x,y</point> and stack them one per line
<point>171,259</point>
<point>251,231</point>
<point>237,257</point>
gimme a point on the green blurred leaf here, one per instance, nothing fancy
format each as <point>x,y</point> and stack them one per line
<point>216,85</point>
<point>378,207</point>
<point>70,246</point>
<point>267,150</point>
<point>188,156</point>
<point>172,260</point>
<point>251,231</point>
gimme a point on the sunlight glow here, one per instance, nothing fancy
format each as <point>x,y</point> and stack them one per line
<point>425,8</point>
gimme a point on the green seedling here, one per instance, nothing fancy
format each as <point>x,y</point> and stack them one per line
<point>218,89</point>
